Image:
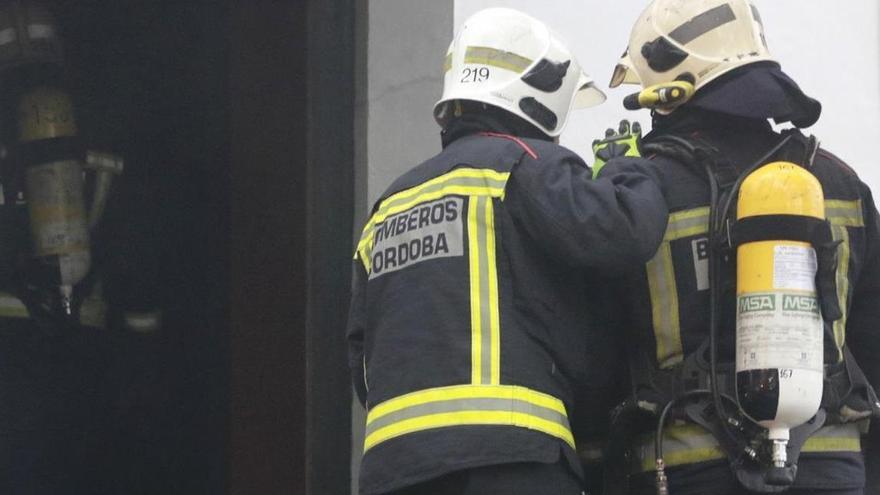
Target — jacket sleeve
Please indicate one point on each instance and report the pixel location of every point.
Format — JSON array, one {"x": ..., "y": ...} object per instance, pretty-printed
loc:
[
  {"x": 863, "y": 322},
  {"x": 612, "y": 223},
  {"x": 863, "y": 329},
  {"x": 355, "y": 332}
]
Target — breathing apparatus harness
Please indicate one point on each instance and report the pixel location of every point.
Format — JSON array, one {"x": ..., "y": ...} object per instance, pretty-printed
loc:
[{"x": 700, "y": 389}]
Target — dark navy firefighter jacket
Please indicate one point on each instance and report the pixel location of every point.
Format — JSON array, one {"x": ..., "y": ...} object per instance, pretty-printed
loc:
[{"x": 472, "y": 326}]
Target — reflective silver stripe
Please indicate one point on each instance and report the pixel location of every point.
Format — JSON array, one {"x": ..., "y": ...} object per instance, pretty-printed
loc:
[
  {"x": 467, "y": 405},
  {"x": 485, "y": 301},
  {"x": 703, "y": 23},
  {"x": 484, "y": 55},
  {"x": 663, "y": 289}
]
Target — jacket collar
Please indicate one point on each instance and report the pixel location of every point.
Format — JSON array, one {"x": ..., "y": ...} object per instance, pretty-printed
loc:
[{"x": 490, "y": 121}]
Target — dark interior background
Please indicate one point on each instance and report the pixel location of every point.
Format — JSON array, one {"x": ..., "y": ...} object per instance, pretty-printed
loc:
[{"x": 235, "y": 120}]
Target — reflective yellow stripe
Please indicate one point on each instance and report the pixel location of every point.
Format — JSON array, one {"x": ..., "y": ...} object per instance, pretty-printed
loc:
[
  {"x": 476, "y": 306},
  {"x": 663, "y": 289},
  {"x": 841, "y": 233},
  {"x": 480, "y": 181},
  {"x": 836, "y": 438},
  {"x": 685, "y": 444},
  {"x": 845, "y": 213},
  {"x": 664, "y": 307},
  {"x": 461, "y": 182},
  {"x": 687, "y": 223},
  {"x": 447, "y": 63},
  {"x": 496, "y": 58},
  {"x": 485, "y": 314},
  {"x": 467, "y": 405},
  {"x": 691, "y": 444}
]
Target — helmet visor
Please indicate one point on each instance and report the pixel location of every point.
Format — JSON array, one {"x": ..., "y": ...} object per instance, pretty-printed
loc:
[
  {"x": 623, "y": 73},
  {"x": 588, "y": 95}
]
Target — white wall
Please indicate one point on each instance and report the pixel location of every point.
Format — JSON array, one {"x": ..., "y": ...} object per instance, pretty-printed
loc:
[{"x": 831, "y": 48}]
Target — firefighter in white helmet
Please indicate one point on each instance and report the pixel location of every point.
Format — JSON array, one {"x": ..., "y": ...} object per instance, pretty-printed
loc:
[
  {"x": 468, "y": 333},
  {"x": 681, "y": 308}
]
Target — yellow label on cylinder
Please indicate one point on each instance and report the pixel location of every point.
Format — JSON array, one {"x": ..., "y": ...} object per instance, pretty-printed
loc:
[{"x": 45, "y": 113}]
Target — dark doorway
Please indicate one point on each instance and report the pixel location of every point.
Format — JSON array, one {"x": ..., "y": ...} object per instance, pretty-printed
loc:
[{"x": 235, "y": 120}]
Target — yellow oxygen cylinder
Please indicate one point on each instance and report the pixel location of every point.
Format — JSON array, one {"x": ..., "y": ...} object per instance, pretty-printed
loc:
[
  {"x": 779, "y": 327},
  {"x": 54, "y": 189}
]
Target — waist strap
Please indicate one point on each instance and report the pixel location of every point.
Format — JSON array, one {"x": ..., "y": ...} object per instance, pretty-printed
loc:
[
  {"x": 467, "y": 405},
  {"x": 690, "y": 444}
]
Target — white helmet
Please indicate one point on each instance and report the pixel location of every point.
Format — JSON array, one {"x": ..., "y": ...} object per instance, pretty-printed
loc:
[
  {"x": 510, "y": 60},
  {"x": 696, "y": 40}
]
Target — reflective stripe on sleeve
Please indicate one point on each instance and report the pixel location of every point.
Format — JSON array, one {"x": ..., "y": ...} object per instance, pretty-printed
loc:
[{"x": 445, "y": 407}]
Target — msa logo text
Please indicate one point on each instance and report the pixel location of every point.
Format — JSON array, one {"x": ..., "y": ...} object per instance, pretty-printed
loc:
[
  {"x": 806, "y": 304},
  {"x": 758, "y": 302}
]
